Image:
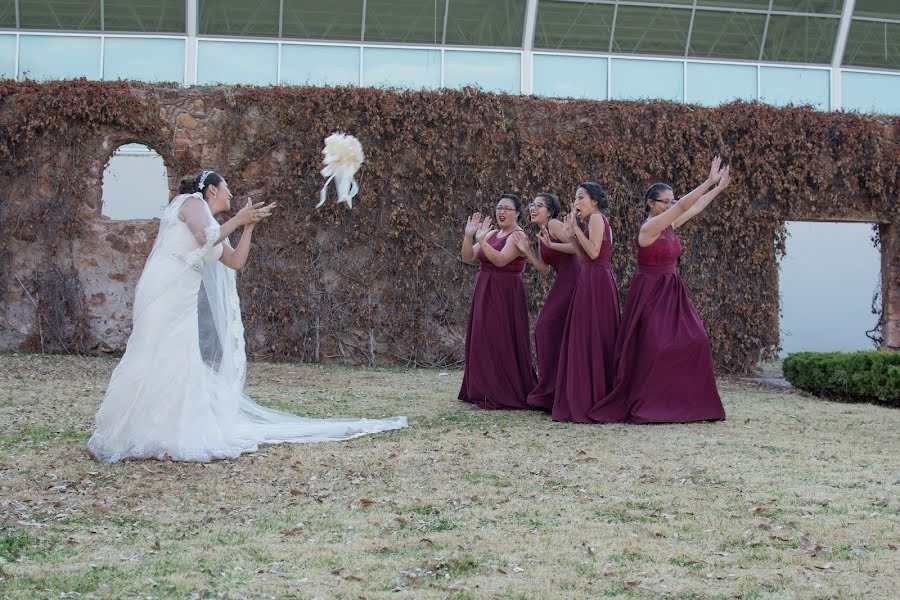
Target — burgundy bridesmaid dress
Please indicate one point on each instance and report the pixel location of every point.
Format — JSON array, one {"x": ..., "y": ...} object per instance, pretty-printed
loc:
[
  {"x": 587, "y": 354},
  {"x": 665, "y": 367},
  {"x": 498, "y": 372},
  {"x": 548, "y": 331}
]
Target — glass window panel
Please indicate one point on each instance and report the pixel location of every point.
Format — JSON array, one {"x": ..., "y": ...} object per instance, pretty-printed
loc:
[
  {"x": 646, "y": 80},
  {"x": 795, "y": 85},
  {"x": 319, "y": 65},
  {"x": 491, "y": 71},
  {"x": 871, "y": 92},
  {"x": 43, "y": 57},
  {"x": 7, "y": 57},
  {"x": 562, "y": 76},
  {"x": 822, "y": 7},
  {"x": 800, "y": 39},
  {"x": 239, "y": 17},
  {"x": 8, "y": 13},
  {"x": 573, "y": 26},
  {"x": 872, "y": 44},
  {"x": 643, "y": 30},
  {"x": 486, "y": 23},
  {"x": 757, "y": 4},
  {"x": 711, "y": 84},
  {"x": 60, "y": 14},
  {"x": 153, "y": 16},
  {"x": 410, "y": 21},
  {"x": 888, "y": 9},
  {"x": 402, "y": 68},
  {"x": 727, "y": 35},
  {"x": 681, "y": 2},
  {"x": 323, "y": 19},
  {"x": 237, "y": 62},
  {"x": 143, "y": 59}
]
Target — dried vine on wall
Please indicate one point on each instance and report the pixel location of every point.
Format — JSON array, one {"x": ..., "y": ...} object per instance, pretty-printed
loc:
[{"x": 383, "y": 283}]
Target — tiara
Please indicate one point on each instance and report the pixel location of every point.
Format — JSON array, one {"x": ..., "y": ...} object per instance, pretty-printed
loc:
[{"x": 203, "y": 177}]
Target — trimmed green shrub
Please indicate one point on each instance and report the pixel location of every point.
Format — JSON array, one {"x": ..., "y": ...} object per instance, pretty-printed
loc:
[{"x": 871, "y": 376}]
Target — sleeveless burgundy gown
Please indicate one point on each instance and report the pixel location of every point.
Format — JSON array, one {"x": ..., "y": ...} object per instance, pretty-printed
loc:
[
  {"x": 665, "y": 367},
  {"x": 587, "y": 354},
  {"x": 548, "y": 330},
  {"x": 498, "y": 371}
]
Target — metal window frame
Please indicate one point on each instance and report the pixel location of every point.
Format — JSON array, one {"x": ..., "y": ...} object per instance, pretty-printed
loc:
[
  {"x": 526, "y": 51},
  {"x": 192, "y": 15}
]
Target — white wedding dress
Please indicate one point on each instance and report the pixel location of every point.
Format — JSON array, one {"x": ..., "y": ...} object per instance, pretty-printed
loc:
[{"x": 178, "y": 391}]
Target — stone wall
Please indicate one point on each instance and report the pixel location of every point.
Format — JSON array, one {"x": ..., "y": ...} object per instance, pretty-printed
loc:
[{"x": 253, "y": 136}]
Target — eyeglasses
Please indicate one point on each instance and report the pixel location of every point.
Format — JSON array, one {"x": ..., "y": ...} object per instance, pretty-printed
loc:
[
  {"x": 506, "y": 209},
  {"x": 537, "y": 205}
]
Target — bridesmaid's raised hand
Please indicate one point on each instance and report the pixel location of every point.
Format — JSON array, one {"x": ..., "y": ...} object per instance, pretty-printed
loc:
[
  {"x": 724, "y": 178},
  {"x": 544, "y": 237},
  {"x": 473, "y": 224},
  {"x": 520, "y": 239},
  {"x": 715, "y": 170},
  {"x": 569, "y": 225},
  {"x": 483, "y": 229}
]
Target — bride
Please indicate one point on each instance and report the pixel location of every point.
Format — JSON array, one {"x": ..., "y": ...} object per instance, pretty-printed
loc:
[{"x": 178, "y": 390}]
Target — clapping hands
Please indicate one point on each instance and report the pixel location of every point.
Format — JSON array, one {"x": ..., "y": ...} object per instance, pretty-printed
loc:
[
  {"x": 544, "y": 237},
  {"x": 520, "y": 239},
  {"x": 724, "y": 178},
  {"x": 479, "y": 226},
  {"x": 570, "y": 225}
]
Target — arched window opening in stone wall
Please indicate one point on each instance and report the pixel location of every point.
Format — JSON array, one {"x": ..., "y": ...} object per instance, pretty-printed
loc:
[{"x": 135, "y": 184}]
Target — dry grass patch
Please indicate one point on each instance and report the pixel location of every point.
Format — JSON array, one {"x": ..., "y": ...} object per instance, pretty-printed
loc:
[{"x": 790, "y": 497}]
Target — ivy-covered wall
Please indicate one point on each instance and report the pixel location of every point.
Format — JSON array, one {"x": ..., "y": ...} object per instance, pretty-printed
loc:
[{"x": 383, "y": 283}]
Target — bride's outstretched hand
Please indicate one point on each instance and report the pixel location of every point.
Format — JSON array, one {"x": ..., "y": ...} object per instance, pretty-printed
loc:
[{"x": 252, "y": 213}]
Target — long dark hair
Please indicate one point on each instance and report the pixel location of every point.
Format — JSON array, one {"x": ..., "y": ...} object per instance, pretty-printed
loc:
[
  {"x": 596, "y": 193},
  {"x": 187, "y": 185}
]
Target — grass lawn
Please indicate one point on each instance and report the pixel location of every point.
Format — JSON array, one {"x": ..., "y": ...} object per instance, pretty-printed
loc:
[{"x": 791, "y": 497}]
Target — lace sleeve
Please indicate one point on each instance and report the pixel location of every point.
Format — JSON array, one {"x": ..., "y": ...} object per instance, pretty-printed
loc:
[{"x": 194, "y": 258}]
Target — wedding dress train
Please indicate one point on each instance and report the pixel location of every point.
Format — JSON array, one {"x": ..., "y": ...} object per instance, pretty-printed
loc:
[{"x": 178, "y": 391}]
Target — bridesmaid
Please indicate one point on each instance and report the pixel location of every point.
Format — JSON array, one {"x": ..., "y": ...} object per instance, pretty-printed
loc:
[
  {"x": 665, "y": 367},
  {"x": 548, "y": 330},
  {"x": 498, "y": 372},
  {"x": 587, "y": 359}
]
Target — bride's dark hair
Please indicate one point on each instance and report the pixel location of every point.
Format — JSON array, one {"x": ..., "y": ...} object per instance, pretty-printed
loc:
[
  {"x": 187, "y": 185},
  {"x": 205, "y": 179}
]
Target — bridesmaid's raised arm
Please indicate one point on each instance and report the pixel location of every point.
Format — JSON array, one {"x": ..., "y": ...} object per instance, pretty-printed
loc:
[
  {"x": 654, "y": 226},
  {"x": 705, "y": 199}
]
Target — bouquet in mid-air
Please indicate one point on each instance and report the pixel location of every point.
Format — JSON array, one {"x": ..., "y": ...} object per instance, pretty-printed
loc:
[{"x": 343, "y": 157}]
